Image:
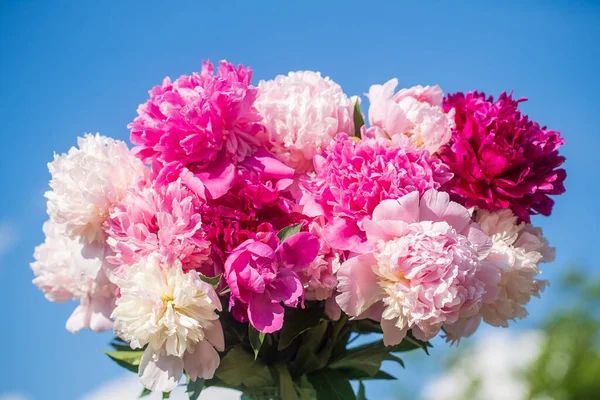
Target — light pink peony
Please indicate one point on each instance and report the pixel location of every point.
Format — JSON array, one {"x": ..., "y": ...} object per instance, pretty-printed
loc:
[
  {"x": 87, "y": 181},
  {"x": 66, "y": 269},
  {"x": 517, "y": 251},
  {"x": 425, "y": 269},
  {"x": 415, "y": 113},
  {"x": 352, "y": 178},
  {"x": 204, "y": 122},
  {"x": 166, "y": 221},
  {"x": 302, "y": 113},
  {"x": 263, "y": 275}
]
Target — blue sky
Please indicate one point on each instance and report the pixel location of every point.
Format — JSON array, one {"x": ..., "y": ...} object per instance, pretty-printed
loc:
[{"x": 74, "y": 67}]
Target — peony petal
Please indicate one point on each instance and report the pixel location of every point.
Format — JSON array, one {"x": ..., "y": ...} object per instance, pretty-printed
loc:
[
  {"x": 160, "y": 373},
  {"x": 299, "y": 250},
  {"x": 265, "y": 316},
  {"x": 436, "y": 206},
  {"x": 203, "y": 362},
  {"x": 357, "y": 285},
  {"x": 345, "y": 234},
  {"x": 392, "y": 335},
  {"x": 79, "y": 319},
  {"x": 218, "y": 177},
  {"x": 215, "y": 335}
]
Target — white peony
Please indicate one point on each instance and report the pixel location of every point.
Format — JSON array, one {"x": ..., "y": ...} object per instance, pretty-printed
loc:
[
  {"x": 517, "y": 251},
  {"x": 87, "y": 181},
  {"x": 302, "y": 113},
  {"x": 66, "y": 269},
  {"x": 174, "y": 313}
]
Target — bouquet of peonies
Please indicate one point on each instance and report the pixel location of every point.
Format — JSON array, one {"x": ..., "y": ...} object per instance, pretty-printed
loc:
[{"x": 252, "y": 233}]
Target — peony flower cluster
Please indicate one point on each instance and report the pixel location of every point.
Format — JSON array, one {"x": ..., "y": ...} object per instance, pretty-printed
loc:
[{"x": 242, "y": 207}]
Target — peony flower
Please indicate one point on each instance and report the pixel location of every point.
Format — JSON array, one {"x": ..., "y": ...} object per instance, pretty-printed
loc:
[
  {"x": 204, "y": 122},
  {"x": 517, "y": 250},
  {"x": 319, "y": 278},
  {"x": 166, "y": 221},
  {"x": 174, "y": 314},
  {"x": 302, "y": 113},
  {"x": 501, "y": 159},
  {"x": 415, "y": 113},
  {"x": 263, "y": 275},
  {"x": 425, "y": 269},
  {"x": 352, "y": 178},
  {"x": 87, "y": 181},
  {"x": 66, "y": 269}
]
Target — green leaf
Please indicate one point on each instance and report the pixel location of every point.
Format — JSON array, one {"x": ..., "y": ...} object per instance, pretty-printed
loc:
[
  {"x": 212, "y": 281},
  {"x": 194, "y": 388},
  {"x": 315, "y": 349},
  {"x": 126, "y": 359},
  {"x": 361, "y": 392},
  {"x": 359, "y": 120},
  {"x": 359, "y": 375},
  {"x": 225, "y": 291},
  {"x": 297, "y": 322},
  {"x": 331, "y": 385},
  {"x": 256, "y": 339},
  {"x": 287, "y": 389},
  {"x": 364, "y": 326},
  {"x": 261, "y": 378},
  {"x": 144, "y": 393},
  {"x": 289, "y": 231},
  {"x": 238, "y": 367},
  {"x": 166, "y": 395},
  {"x": 363, "y": 359},
  {"x": 391, "y": 357}
]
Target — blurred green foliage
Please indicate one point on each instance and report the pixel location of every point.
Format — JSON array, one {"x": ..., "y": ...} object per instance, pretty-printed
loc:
[{"x": 568, "y": 367}]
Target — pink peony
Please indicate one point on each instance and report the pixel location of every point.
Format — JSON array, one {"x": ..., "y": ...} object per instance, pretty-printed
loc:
[
  {"x": 415, "y": 113},
  {"x": 425, "y": 269},
  {"x": 263, "y": 275},
  {"x": 352, "y": 178},
  {"x": 166, "y": 221},
  {"x": 67, "y": 269},
  {"x": 205, "y": 122},
  {"x": 302, "y": 113},
  {"x": 501, "y": 159}
]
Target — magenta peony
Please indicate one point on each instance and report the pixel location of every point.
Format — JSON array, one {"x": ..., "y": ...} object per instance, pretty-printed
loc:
[
  {"x": 425, "y": 269},
  {"x": 263, "y": 275},
  {"x": 166, "y": 221},
  {"x": 205, "y": 122},
  {"x": 500, "y": 158},
  {"x": 302, "y": 113},
  {"x": 352, "y": 178}
]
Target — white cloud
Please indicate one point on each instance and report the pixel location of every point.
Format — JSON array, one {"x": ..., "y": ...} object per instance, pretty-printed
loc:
[
  {"x": 14, "y": 396},
  {"x": 9, "y": 236},
  {"x": 493, "y": 363},
  {"x": 127, "y": 387}
]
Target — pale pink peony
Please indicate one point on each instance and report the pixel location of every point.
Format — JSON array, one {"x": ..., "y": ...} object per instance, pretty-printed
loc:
[
  {"x": 204, "y": 122},
  {"x": 66, "y": 269},
  {"x": 166, "y": 221},
  {"x": 302, "y": 113},
  {"x": 173, "y": 315},
  {"x": 87, "y": 181},
  {"x": 415, "y": 113},
  {"x": 425, "y": 269},
  {"x": 517, "y": 251},
  {"x": 352, "y": 178},
  {"x": 261, "y": 276}
]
